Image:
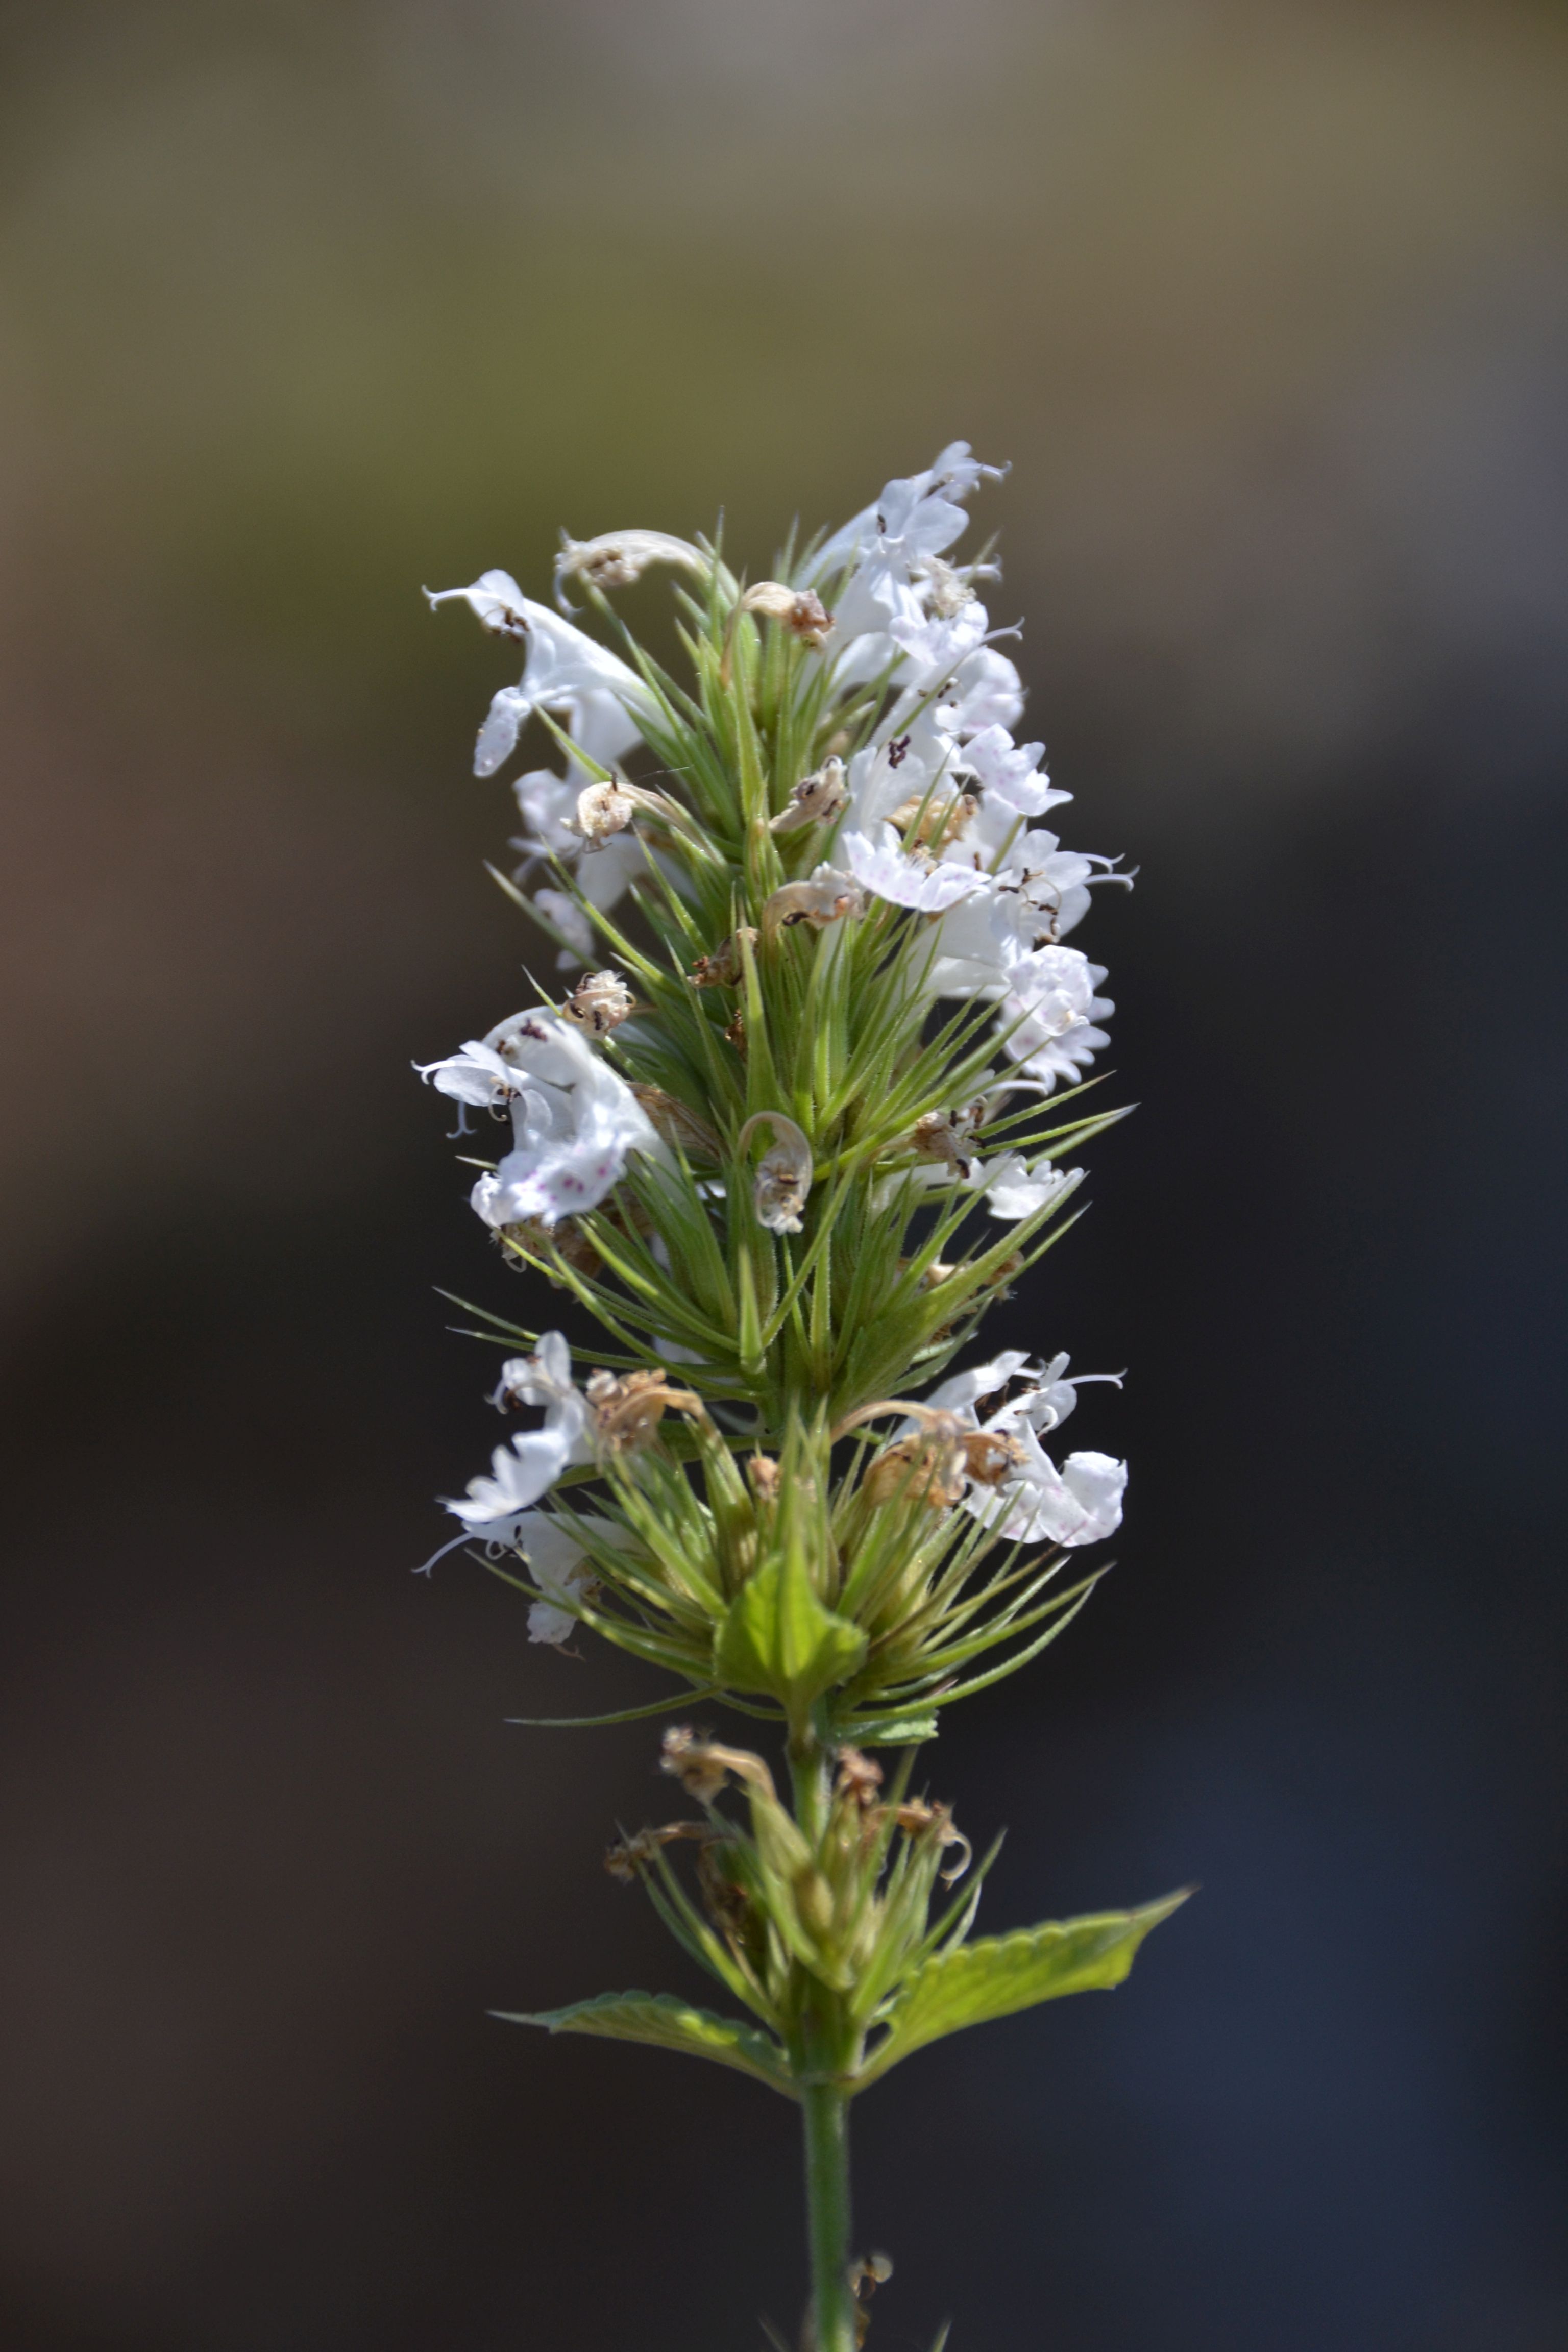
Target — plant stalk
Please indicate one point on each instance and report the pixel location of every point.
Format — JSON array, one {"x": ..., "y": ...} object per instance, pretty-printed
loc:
[{"x": 826, "y": 2109}]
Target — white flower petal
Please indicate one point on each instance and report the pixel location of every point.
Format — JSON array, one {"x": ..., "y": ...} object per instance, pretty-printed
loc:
[
  {"x": 887, "y": 872},
  {"x": 1013, "y": 1189}
]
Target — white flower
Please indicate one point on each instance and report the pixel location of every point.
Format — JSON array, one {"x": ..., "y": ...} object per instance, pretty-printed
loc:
[
  {"x": 557, "y": 1566},
  {"x": 545, "y": 1378},
  {"x": 1009, "y": 772},
  {"x": 1035, "y": 1502},
  {"x": 563, "y": 913},
  {"x": 565, "y": 670},
  {"x": 987, "y": 692},
  {"x": 476, "y": 1074},
  {"x": 889, "y": 542},
  {"x": 888, "y": 870},
  {"x": 1050, "y": 1009},
  {"x": 495, "y": 600},
  {"x": 495, "y": 1509},
  {"x": 1079, "y": 1504},
  {"x": 574, "y": 1123},
  {"x": 961, "y": 1391},
  {"x": 1013, "y": 1189},
  {"x": 1050, "y": 884},
  {"x": 954, "y": 475},
  {"x": 909, "y": 757},
  {"x": 492, "y": 1508},
  {"x": 933, "y": 648},
  {"x": 1046, "y": 1403}
]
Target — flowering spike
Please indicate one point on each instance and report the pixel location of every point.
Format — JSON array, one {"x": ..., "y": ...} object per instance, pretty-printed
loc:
[{"x": 774, "y": 1175}]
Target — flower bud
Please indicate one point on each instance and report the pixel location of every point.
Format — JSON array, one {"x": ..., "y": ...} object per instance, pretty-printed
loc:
[
  {"x": 764, "y": 1472},
  {"x": 813, "y": 1902}
]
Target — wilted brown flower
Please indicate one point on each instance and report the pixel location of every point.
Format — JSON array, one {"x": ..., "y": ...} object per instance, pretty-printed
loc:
[
  {"x": 600, "y": 1003},
  {"x": 628, "y": 1408},
  {"x": 801, "y": 610},
  {"x": 784, "y": 1172},
  {"x": 826, "y": 897},
  {"x": 815, "y": 798},
  {"x": 723, "y": 967},
  {"x": 858, "y": 1777},
  {"x": 677, "y": 1124},
  {"x": 602, "y": 809},
  {"x": 702, "y": 1766}
]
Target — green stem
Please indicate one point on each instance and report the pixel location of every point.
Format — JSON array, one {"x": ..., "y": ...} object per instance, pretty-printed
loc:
[
  {"x": 821, "y": 2053},
  {"x": 826, "y": 2113}
]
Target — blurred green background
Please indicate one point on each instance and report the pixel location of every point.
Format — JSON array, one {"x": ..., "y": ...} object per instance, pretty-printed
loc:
[{"x": 303, "y": 305}]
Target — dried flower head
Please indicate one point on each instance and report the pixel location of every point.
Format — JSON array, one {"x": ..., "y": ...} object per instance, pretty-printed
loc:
[
  {"x": 991, "y": 1455},
  {"x": 600, "y": 1003},
  {"x": 816, "y": 798},
  {"x": 618, "y": 559},
  {"x": 859, "y": 1777},
  {"x": 917, "y": 1819},
  {"x": 828, "y": 897},
  {"x": 930, "y": 820},
  {"x": 782, "y": 1177},
  {"x": 628, "y": 1857},
  {"x": 531, "y": 1243},
  {"x": 725, "y": 968},
  {"x": 926, "y": 1468},
  {"x": 626, "y": 1409},
  {"x": 801, "y": 610},
  {"x": 703, "y": 1767},
  {"x": 678, "y": 1124},
  {"x": 603, "y": 810}
]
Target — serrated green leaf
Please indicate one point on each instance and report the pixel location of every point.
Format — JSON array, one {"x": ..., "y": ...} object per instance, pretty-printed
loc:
[
  {"x": 776, "y": 1637},
  {"x": 1000, "y": 1974},
  {"x": 665, "y": 2023}
]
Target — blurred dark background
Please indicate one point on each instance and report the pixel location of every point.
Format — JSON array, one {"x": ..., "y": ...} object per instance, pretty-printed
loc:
[{"x": 302, "y": 304}]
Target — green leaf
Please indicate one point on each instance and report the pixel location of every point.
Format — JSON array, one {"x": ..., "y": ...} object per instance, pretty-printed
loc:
[
  {"x": 976, "y": 1982},
  {"x": 776, "y": 1637},
  {"x": 666, "y": 2023},
  {"x": 890, "y": 1730}
]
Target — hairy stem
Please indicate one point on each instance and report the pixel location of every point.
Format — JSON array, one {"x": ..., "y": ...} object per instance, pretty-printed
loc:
[
  {"x": 821, "y": 2054},
  {"x": 826, "y": 2112}
]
